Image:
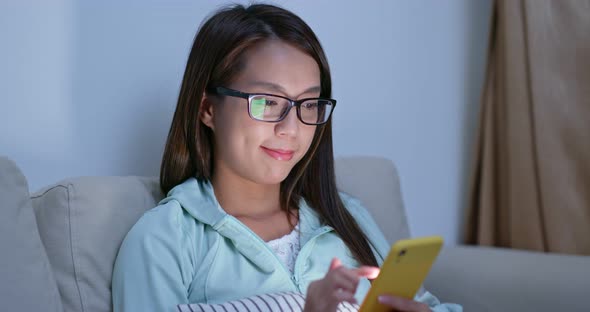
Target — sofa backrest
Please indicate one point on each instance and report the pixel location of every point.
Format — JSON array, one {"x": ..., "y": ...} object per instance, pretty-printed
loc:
[
  {"x": 375, "y": 181},
  {"x": 82, "y": 222}
]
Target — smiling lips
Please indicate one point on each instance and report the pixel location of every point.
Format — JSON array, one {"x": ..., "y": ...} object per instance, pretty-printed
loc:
[{"x": 278, "y": 154}]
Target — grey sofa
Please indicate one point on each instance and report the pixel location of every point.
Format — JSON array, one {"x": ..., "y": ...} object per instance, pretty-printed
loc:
[{"x": 58, "y": 245}]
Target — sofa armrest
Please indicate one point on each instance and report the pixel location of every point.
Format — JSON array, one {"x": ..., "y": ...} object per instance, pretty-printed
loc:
[{"x": 498, "y": 279}]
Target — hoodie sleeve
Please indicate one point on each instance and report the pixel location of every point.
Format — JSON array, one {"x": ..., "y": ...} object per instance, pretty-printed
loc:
[
  {"x": 152, "y": 270},
  {"x": 381, "y": 249},
  {"x": 434, "y": 304}
]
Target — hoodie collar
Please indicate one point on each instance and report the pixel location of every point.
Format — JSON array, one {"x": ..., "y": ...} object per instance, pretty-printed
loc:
[{"x": 198, "y": 199}]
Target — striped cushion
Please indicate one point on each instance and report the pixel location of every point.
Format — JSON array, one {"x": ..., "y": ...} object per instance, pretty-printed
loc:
[{"x": 284, "y": 301}]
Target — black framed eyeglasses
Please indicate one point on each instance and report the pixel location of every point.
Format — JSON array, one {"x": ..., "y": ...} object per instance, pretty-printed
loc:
[{"x": 274, "y": 108}]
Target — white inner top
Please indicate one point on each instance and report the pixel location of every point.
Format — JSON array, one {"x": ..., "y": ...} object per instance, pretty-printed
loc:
[{"x": 286, "y": 248}]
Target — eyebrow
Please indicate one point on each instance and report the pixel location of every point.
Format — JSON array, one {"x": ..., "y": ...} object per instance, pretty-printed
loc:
[{"x": 278, "y": 88}]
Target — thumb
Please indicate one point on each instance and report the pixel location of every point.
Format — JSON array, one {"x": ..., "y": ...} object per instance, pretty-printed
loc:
[{"x": 335, "y": 264}]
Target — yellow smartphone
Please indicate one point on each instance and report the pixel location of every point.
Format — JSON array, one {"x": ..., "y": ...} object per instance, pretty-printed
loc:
[{"x": 403, "y": 271}]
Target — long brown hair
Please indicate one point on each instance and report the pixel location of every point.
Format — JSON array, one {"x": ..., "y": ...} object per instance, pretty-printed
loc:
[{"x": 214, "y": 60}]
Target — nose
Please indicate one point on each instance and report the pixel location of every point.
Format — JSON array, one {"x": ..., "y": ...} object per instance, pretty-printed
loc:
[{"x": 289, "y": 126}]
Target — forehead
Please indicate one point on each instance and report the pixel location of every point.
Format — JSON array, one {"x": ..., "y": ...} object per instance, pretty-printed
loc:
[{"x": 279, "y": 63}]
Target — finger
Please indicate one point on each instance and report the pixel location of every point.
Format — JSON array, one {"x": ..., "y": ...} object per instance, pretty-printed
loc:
[
  {"x": 343, "y": 278},
  {"x": 350, "y": 278},
  {"x": 403, "y": 304},
  {"x": 367, "y": 271},
  {"x": 344, "y": 295},
  {"x": 335, "y": 264},
  {"x": 350, "y": 274}
]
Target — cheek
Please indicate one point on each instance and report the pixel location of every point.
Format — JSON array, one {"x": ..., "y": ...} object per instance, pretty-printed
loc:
[
  {"x": 236, "y": 133},
  {"x": 228, "y": 126},
  {"x": 307, "y": 135}
]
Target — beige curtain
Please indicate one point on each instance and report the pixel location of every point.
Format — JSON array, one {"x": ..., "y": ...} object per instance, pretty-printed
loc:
[{"x": 531, "y": 178}]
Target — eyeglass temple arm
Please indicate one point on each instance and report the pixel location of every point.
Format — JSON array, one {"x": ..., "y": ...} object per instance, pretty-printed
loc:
[{"x": 230, "y": 92}]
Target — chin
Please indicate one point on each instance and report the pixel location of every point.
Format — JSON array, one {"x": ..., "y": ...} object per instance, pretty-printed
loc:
[
  {"x": 274, "y": 179},
  {"x": 275, "y": 176}
]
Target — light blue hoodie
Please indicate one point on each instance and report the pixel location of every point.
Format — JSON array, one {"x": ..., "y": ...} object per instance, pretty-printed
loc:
[{"x": 189, "y": 250}]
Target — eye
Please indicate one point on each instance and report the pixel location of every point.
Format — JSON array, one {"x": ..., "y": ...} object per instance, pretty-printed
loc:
[
  {"x": 271, "y": 102},
  {"x": 310, "y": 105}
]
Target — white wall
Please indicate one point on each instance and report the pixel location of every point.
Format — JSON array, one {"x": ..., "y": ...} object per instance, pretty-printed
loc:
[
  {"x": 89, "y": 88},
  {"x": 36, "y": 115}
]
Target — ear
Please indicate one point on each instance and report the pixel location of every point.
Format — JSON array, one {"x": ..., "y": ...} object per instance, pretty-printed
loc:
[{"x": 207, "y": 111}]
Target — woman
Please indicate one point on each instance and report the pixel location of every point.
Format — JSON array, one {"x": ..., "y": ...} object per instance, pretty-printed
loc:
[{"x": 252, "y": 205}]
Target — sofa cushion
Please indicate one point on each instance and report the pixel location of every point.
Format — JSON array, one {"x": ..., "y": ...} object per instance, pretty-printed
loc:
[
  {"x": 27, "y": 283},
  {"x": 82, "y": 222}
]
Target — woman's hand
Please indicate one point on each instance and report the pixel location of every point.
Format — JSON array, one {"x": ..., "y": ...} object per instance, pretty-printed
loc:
[
  {"x": 402, "y": 304},
  {"x": 338, "y": 285}
]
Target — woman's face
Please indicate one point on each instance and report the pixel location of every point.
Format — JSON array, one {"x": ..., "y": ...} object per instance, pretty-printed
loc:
[{"x": 264, "y": 152}]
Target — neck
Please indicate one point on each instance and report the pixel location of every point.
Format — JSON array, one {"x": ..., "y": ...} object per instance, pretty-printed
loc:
[{"x": 243, "y": 198}]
